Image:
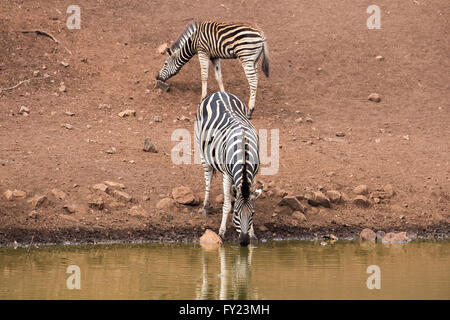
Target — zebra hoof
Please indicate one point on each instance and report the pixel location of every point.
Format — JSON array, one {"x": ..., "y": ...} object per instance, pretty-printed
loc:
[{"x": 249, "y": 114}]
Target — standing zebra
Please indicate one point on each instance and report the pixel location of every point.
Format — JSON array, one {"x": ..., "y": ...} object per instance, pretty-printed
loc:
[
  {"x": 214, "y": 41},
  {"x": 229, "y": 144}
]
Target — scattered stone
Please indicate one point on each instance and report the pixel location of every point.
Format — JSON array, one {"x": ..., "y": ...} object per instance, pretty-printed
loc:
[
  {"x": 37, "y": 201},
  {"x": 8, "y": 195},
  {"x": 162, "y": 48},
  {"x": 293, "y": 203},
  {"x": 283, "y": 210},
  {"x": 96, "y": 202},
  {"x": 299, "y": 216},
  {"x": 101, "y": 187},
  {"x": 166, "y": 204},
  {"x": 149, "y": 146},
  {"x": 263, "y": 228},
  {"x": 70, "y": 207},
  {"x": 317, "y": 198},
  {"x": 361, "y": 201},
  {"x": 113, "y": 150},
  {"x": 375, "y": 97},
  {"x": 24, "y": 110},
  {"x": 19, "y": 194},
  {"x": 113, "y": 184},
  {"x": 389, "y": 189},
  {"x": 361, "y": 189},
  {"x": 184, "y": 195},
  {"x": 62, "y": 88},
  {"x": 210, "y": 237},
  {"x": 32, "y": 214},
  {"x": 138, "y": 211},
  {"x": 60, "y": 195},
  {"x": 279, "y": 192},
  {"x": 334, "y": 196},
  {"x": 127, "y": 113},
  {"x": 64, "y": 64},
  {"x": 36, "y": 73},
  {"x": 380, "y": 235},
  {"x": 162, "y": 85},
  {"x": 367, "y": 234},
  {"x": 392, "y": 237},
  {"x": 299, "y": 120},
  {"x": 340, "y": 134},
  {"x": 331, "y": 237},
  {"x": 157, "y": 118},
  {"x": 121, "y": 196},
  {"x": 379, "y": 58},
  {"x": 68, "y": 113},
  {"x": 67, "y": 126}
]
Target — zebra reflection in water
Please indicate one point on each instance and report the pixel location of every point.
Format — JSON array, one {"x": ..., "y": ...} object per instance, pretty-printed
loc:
[{"x": 226, "y": 278}]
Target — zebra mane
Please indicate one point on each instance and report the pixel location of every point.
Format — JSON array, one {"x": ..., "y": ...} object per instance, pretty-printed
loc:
[
  {"x": 187, "y": 33},
  {"x": 245, "y": 185}
]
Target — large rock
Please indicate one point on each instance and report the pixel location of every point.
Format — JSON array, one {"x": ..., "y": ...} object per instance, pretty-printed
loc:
[
  {"x": 367, "y": 234},
  {"x": 96, "y": 202},
  {"x": 184, "y": 195},
  {"x": 361, "y": 201},
  {"x": 334, "y": 196},
  {"x": 392, "y": 237},
  {"x": 361, "y": 189},
  {"x": 138, "y": 211},
  {"x": 299, "y": 216},
  {"x": 380, "y": 235},
  {"x": 149, "y": 146},
  {"x": 317, "y": 198},
  {"x": 37, "y": 201},
  {"x": 210, "y": 237},
  {"x": 19, "y": 194},
  {"x": 58, "y": 194},
  {"x": 389, "y": 189},
  {"x": 166, "y": 204},
  {"x": 101, "y": 187},
  {"x": 293, "y": 203},
  {"x": 113, "y": 184},
  {"x": 121, "y": 196}
]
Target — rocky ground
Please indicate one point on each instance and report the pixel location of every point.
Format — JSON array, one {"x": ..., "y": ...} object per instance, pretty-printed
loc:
[{"x": 86, "y": 140}]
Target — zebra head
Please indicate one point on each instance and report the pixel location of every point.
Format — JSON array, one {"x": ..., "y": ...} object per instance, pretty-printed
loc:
[
  {"x": 243, "y": 213},
  {"x": 170, "y": 67}
]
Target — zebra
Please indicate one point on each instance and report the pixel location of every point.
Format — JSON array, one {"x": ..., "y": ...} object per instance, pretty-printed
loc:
[
  {"x": 228, "y": 143},
  {"x": 214, "y": 41}
]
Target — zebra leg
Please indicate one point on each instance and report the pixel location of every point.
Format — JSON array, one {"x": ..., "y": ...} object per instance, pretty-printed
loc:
[
  {"x": 208, "y": 176},
  {"x": 218, "y": 73},
  {"x": 250, "y": 70},
  {"x": 226, "y": 204},
  {"x": 204, "y": 65}
]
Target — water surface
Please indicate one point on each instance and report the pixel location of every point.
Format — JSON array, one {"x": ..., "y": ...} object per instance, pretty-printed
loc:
[{"x": 272, "y": 270}]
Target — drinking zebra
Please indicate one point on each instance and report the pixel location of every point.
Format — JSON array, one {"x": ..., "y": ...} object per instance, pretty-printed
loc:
[
  {"x": 214, "y": 41},
  {"x": 229, "y": 144}
]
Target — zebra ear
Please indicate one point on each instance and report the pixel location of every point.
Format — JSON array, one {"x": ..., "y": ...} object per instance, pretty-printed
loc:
[
  {"x": 255, "y": 195},
  {"x": 169, "y": 51}
]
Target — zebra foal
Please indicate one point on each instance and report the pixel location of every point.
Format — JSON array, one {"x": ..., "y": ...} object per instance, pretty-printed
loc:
[
  {"x": 229, "y": 144},
  {"x": 214, "y": 41}
]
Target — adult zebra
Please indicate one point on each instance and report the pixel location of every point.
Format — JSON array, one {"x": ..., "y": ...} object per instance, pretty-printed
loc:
[
  {"x": 214, "y": 41},
  {"x": 229, "y": 144}
]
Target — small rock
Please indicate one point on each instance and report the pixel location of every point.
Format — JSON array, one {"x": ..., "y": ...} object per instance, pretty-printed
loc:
[
  {"x": 166, "y": 204},
  {"x": 24, "y": 110},
  {"x": 162, "y": 85},
  {"x": 70, "y": 207},
  {"x": 157, "y": 118},
  {"x": 389, "y": 189},
  {"x": 96, "y": 202},
  {"x": 299, "y": 120},
  {"x": 8, "y": 195},
  {"x": 162, "y": 48},
  {"x": 299, "y": 216},
  {"x": 367, "y": 234},
  {"x": 67, "y": 126},
  {"x": 68, "y": 113},
  {"x": 64, "y": 64},
  {"x": 33, "y": 214},
  {"x": 279, "y": 192},
  {"x": 113, "y": 184},
  {"x": 361, "y": 201},
  {"x": 62, "y": 88},
  {"x": 184, "y": 195},
  {"x": 37, "y": 201},
  {"x": 60, "y": 195},
  {"x": 334, "y": 196},
  {"x": 293, "y": 203},
  {"x": 263, "y": 228},
  {"x": 340, "y": 134},
  {"x": 392, "y": 237},
  {"x": 19, "y": 194},
  {"x": 380, "y": 235},
  {"x": 127, "y": 113},
  {"x": 361, "y": 189},
  {"x": 318, "y": 198},
  {"x": 283, "y": 210},
  {"x": 121, "y": 196},
  {"x": 138, "y": 211},
  {"x": 36, "y": 73},
  {"x": 101, "y": 187},
  {"x": 331, "y": 237},
  {"x": 375, "y": 97},
  {"x": 149, "y": 146},
  {"x": 379, "y": 58},
  {"x": 308, "y": 119},
  {"x": 210, "y": 237},
  {"x": 219, "y": 198}
]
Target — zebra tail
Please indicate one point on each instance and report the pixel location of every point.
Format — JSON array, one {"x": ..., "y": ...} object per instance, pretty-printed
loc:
[{"x": 265, "y": 62}]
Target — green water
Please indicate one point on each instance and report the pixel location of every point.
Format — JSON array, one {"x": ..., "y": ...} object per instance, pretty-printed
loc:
[{"x": 272, "y": 270}]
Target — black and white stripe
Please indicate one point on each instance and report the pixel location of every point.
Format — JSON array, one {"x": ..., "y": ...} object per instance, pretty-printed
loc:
[
  {"x": 214, "y": 41},
  {"x": 229, "y": 144}
]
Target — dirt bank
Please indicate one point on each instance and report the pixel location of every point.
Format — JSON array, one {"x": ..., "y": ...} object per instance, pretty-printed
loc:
[{"x": 323, "y": 68}]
